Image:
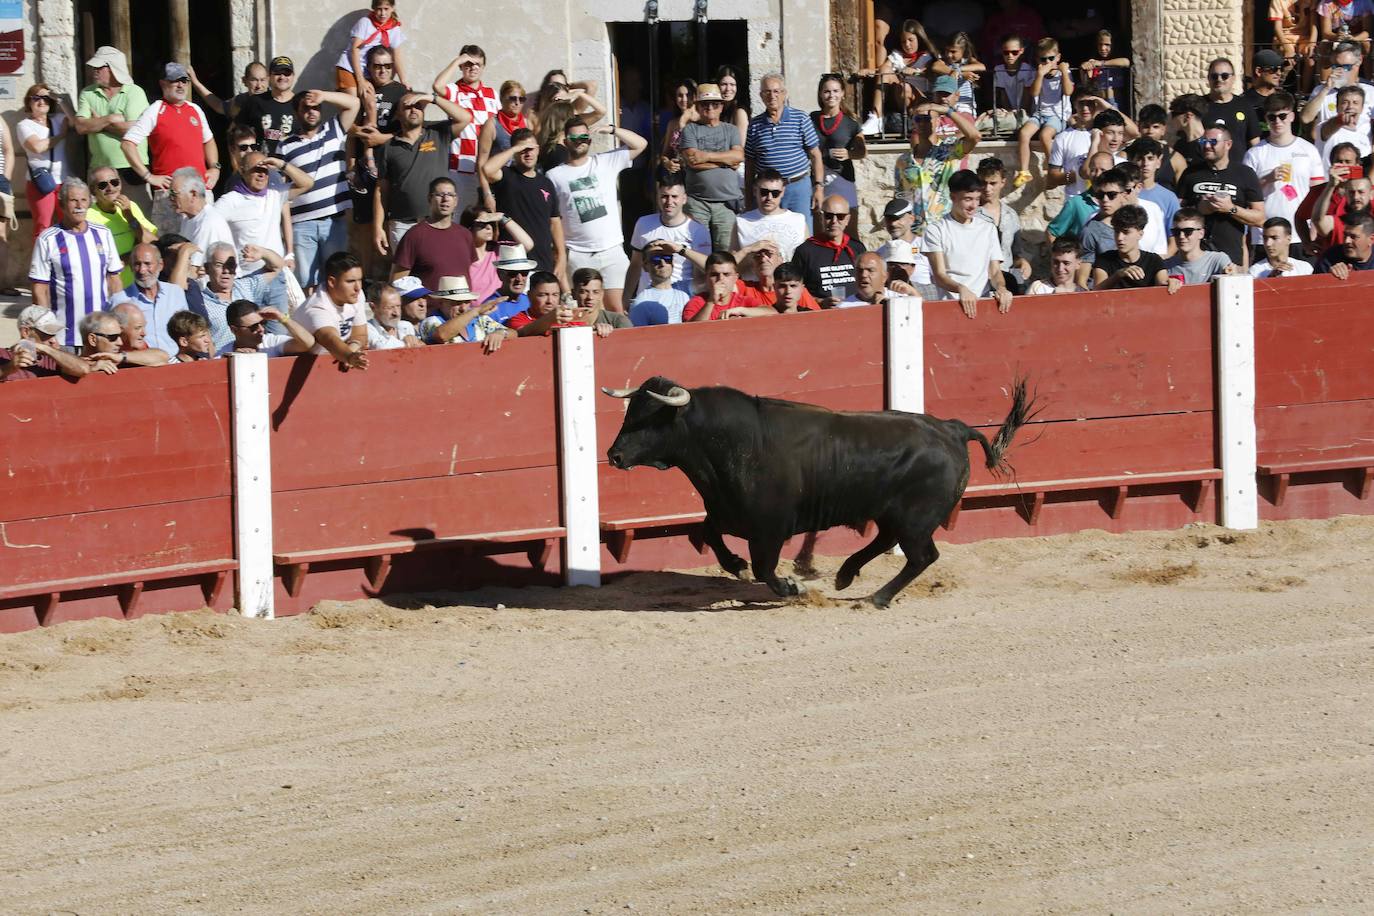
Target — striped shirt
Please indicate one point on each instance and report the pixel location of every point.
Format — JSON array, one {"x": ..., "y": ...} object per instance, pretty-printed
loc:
[
  {"x": 322, "y": 158},
  {"x": 75, "y": 265},
  {"x": 481, "y": 101},
  {"x": 782, "y": 146}
]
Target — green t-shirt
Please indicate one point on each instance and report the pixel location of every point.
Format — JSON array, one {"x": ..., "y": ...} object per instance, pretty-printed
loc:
[
  {"x": 129, "y": 102},
  {"x": 122, "y": 232}
]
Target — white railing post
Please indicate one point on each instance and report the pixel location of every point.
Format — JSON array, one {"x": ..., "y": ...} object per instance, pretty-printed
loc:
[
  {"x": 577, "y": 456},
  {"x": 1235, "y": 366},
  {"x": 905, "y": 354},
  {"x": 252, "y": 444}
]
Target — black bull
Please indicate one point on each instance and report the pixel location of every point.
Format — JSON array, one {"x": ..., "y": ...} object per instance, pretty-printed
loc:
[{"x": 768, "y": 469}]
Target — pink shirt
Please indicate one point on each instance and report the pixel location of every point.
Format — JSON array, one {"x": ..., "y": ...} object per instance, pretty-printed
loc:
[{"x": 482, "y": 276}]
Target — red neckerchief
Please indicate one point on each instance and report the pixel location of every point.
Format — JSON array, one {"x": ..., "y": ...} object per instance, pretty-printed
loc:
[
  {"x": 511, "y": 126},
  {"x": 839, "y": 247},
  {"x": 839, "y": 116},
  {"x": 382, "y": 29}
]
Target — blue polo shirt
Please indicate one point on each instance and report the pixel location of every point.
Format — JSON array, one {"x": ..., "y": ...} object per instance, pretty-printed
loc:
[
  {"x": 782, "y": 146},
  {"x": 170, "y": 300}
]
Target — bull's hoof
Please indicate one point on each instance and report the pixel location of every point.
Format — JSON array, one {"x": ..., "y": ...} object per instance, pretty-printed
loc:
[
  {"x": 843, "y": 579},
  {"x": 880, "y": 601},
  {"x": 736, "y": 566},
  {"x": 788, "y": 588}
]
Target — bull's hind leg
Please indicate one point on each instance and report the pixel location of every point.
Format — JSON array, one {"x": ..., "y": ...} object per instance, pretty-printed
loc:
[
  {"x": 920, "y": 553},
  {"x": 885, "y": 540},
  {"x": 764, "y": 557}
]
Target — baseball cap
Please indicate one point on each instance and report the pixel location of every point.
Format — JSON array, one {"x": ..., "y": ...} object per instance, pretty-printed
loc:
[
  {"x": 42, "y": 319},
  {"x": 107, "y": 56},
  {"x": 897, "y": 206},
  {"x": 410, "y": 288},
  {"x": 1268, "y": 58},
  {"x": 281, "y": 64},
  {"x": 946, "y": 84},
  {"x": 174, "y": 71}
]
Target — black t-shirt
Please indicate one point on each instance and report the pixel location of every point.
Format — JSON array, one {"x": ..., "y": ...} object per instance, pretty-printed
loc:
[
  {"x": 1239, "y": 117},
  {"x": 842, "y": 132},
  {"x": 825, "y": 271},
  {"x": 1191, "y": 153},
  {"x": 410, "y": 167},
  {"x": 1241, "y": 184},
  {"x": 1256, "y": 103},
  {"x": 531, "y": 202},
  {"x": 1148, "y": 261},
  {"x": 271, "y": 120},
  {"x": 1336, "y": 255},
  {"x": 388, "y": 102}
]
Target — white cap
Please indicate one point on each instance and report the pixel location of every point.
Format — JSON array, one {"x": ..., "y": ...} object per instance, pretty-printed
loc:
[
  {"x": 42, "y": 319},
  {"x": 897, "y": 251}
]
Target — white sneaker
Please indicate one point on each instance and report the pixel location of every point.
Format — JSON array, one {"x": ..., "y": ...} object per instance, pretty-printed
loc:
[{"x": 872, "y": 126}]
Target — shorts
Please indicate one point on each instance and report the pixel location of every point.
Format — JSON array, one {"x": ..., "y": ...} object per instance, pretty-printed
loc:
[
  {"x": 612, "y": 264},
  {"x": 345, "y": 80},
  {"x": 1053, "y": 122}
]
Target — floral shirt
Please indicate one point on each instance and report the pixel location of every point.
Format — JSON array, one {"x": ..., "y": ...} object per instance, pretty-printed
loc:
[{"x": 925, "y": 181}]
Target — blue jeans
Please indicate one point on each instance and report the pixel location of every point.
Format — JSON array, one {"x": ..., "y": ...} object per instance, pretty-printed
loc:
[
  {"x": 796, "y": 196},
  {"x": 315, "y": 241}
]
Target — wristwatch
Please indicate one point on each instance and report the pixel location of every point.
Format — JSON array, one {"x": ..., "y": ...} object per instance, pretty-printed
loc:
[{"x": 1234, "y": 209}]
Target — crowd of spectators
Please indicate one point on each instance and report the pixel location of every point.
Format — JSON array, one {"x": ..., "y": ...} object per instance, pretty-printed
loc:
[{"x": 376, "y": 213}]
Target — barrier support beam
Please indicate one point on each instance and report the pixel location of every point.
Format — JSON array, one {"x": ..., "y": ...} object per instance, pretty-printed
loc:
[
  {"x": 1235, "y": 310},
  {"x": 252, "y": 437},
  {"x": 905, "y": 354},
  {"x": 577, "y": 456}
]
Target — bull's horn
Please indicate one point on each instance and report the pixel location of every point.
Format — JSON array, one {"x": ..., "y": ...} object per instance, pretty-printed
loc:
[
  {"x": 620, "y": 392},
  {"x": 677, "y": 396}
]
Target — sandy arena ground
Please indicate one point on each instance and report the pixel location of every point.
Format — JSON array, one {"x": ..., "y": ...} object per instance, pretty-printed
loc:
[{"x": 1147, "y": 723}]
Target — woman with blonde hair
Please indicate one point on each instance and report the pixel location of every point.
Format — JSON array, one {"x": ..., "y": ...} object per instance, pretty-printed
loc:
[{"x": 495, "y": 133}]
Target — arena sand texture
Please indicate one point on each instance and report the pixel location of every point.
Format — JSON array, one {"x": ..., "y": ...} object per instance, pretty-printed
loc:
[{"x": 1092, "y": 723}]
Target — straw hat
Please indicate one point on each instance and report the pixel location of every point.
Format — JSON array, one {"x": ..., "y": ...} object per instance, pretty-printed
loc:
[{"x": 455, "y": 288}]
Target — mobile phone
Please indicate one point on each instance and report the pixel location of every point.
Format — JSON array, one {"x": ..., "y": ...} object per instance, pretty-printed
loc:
[{"x": 1356, "y": 171}]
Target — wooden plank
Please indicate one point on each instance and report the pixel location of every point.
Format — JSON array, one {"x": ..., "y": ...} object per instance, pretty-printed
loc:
[
  {"x": 252, "y": 460},
  {"x": 1095, "y": 483},
  {"x": 118, "y": 542},
  {"x": 629, "y": 524},
  {"x": 1110, "y": 354},
  {"x": 577, "y": 456},
  {"x": 112, "y": 442},
  {"x": 1311, "y": 339},
  {"x": 1302, "y": 432},
  {"x": 1292, "y": 466},
  {"x": 137, "y": 577},
  {"x": 415, "y": 413},
  {"x": 391, "y": 548},
  {"x": 467, "y": 504}
]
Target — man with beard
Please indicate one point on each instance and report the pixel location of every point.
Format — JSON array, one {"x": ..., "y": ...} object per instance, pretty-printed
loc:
[
  {"x": 1355, "y": 253},
  {"x": 388, "y": 330},
  {"x": 1227, "y": 194},
  {"x": 827, "y": 259},
  {"x": 437, "y": 246},
  {"x": 159, "y": 301}
]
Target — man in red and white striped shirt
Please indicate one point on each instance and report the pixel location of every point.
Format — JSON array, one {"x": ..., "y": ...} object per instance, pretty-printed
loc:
[
  {"x": 177, "y": 136},
  {"x": 479, "y": 99}
]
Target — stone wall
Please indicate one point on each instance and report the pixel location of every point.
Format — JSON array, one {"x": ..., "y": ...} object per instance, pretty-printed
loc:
[{"x": 1193, "y": 33}]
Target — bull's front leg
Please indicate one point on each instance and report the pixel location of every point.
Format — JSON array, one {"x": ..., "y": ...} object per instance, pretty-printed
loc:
[
  {"x": 763, "y": 554},
  {"x": 729, "y": 561}
]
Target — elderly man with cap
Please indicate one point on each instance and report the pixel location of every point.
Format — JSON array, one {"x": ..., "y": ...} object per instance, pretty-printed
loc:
[
  {"x": 272, "y": 114},
  {"x": 710, "y": 150},
  {"x": 514, "y": 267},
  {"x": 768, "y": 223},
  {"x": 387, "y": 330},
  {"x": 105, "y": 110},
  {"x": 899, "y": 218},
  {"x": 39, "y": 354},
  {"x": 177, "y": 136},
  {"x": 460, "y": 319}
]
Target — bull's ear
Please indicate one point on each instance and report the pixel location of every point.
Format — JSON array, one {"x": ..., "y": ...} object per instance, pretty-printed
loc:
[{"x": 619, "y": 392}]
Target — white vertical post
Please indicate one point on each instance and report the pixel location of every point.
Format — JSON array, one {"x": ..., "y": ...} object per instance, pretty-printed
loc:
[
  {"x": 577, "y": 456},
  {"x": 252, "y": 438},
  {"x": 1235, "y": 366},
  {"x": 906, "y": 355}
]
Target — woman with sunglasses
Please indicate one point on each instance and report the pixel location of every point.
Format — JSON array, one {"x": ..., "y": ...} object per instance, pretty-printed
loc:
[
  {"x": 494, "y": 136},
  {"x": 43, "y": 135},
  {"x": 487, "y": 227}
]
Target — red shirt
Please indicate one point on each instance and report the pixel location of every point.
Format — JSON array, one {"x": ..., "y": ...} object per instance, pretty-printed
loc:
[
  {"x": 44, "y": 368},
  {"x": 516, "y": 322},
  {"x": 177, "y": 138},
  {"x": 769, "y": 297},
  {"x": 743, "y": 297},
  {"x": 481, "y": 100}
]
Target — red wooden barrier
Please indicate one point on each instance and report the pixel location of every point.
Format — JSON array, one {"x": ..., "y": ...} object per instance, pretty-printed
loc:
[
  {"x": 1314, "y": 406},
  {"x": 117, "y": 493}
]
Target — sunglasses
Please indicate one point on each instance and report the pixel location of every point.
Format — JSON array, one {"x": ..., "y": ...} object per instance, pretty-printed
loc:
[
  {"x": 107, "y": 184},
  {"x": 1109, "y": 195},
  {"x": 1218, "y": 77},
  {"x": 1049, "y": 60},
  {"x": 255, "y": 328},
  {"x": 515, "y": 98},
  {"x": 1333, "y": 67},
  {"x": 45, "y": 99},
  {"x": 1208, "y": 141},
  {"x": 383, "y": 66},
  {"x": 184, "y": 79},
  {"x": 770, "y": 192},
  {"x": 579, "y": 138},
  {"x": 660, "y": 258},
  {"x": 1270, "y": 69},
  {"x": 227, "y": 264},
  {"x": 834, "y": 216},
  {"x": 1278, "y": 116},
  {"x": 246, "y": 147},
  {"x": 110, "y": 337},
  {"x": 1186, "y": 231},
  {"x": 1012, "y": 50}
]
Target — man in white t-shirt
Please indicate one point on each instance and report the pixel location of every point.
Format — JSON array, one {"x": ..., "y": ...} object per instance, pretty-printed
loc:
[
  {"x": 676, "y": 233},
  {"x": 1073, "y": 147},
  {"x": 589, "y": 204},
  {"x": 1287, "y": 165},
  {"x": 198, "y": 220},
  {"x": 1350, "y": 125},
  {"x": 336, "y": 314},
  {"x": 769, "y": 221},
  {"x": 256, "y": 213},
  {"x": 249, "y": 325},
  {"x": 964, "y": 248},
  {"x": 1345, "y": 71}
]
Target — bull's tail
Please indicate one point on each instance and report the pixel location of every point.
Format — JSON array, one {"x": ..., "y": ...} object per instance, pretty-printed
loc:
[{"x": 1023, "y": 409}]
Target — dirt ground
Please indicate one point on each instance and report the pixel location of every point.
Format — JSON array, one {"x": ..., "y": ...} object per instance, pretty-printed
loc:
[{"x": 1093, "y": 723}]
